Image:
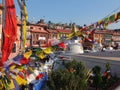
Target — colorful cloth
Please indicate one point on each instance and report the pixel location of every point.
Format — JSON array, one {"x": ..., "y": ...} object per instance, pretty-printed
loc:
[{"x": 9, "y": 29}]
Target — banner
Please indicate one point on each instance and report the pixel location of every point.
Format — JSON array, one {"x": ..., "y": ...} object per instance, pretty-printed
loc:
[{"x": 9, "y": 29}]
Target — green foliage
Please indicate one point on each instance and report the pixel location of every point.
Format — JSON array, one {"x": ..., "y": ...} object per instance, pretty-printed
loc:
[
  {"x": 102, "y": 82},
  {"x": 71, "y": 64},
  {"x": 75, "y": 77},
  {"x": 96, "y": 70},
  {"x": 97, "y": 79},
  {"x": 107, "y": 65},
  {"x": 65, "y": 79}
]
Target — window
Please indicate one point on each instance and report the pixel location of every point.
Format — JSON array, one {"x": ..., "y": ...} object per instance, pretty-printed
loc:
[
  {"x": 44, "y": 42},
  {"x": 41, "y": 35},
  {"x": 37, "y": 36},
  {"x": 31, "y": 27}
]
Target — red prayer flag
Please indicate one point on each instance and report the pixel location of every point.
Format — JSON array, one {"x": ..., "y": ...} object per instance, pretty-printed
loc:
[
  {"x": 24, "y": 61},
  {"x": 62, "y": 45},
  {"x": 9, "y": 29},
  {"x": 92, "y": 32}
]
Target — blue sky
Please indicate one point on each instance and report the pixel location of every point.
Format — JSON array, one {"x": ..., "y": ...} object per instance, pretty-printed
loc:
[{"x": 65, "y": 11}]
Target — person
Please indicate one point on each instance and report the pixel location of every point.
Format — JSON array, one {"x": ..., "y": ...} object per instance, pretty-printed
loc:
[
  {"x": 116, "y": 46},
  {"x": 110, "y": 47},
  {"x": 103, "y": 49}
]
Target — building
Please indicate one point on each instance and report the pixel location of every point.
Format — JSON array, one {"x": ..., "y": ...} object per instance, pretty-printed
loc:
[
  {"x": 43, "y": 36},
  {"x": 63, "y": 33},
  {"x": 103, "y": 37},
  {"x": 46, "y": 37},
  {"x": 116, "y": 37},
  {"x": 52, "y": 37},
  {"x": 39, "y": 36}
]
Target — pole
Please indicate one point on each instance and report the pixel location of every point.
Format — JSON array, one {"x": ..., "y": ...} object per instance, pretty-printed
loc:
[
  {"x": 21, "y": 30},
  {"x": 23, "y": 24}
]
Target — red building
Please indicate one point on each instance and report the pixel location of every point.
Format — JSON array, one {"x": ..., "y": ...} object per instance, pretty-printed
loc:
[
  {"x": 63, "y": 32},
  {"x": 116, "y": 37},
  {"x": 100, "y": 36},
  {"x": 39, "y": 36},
  {"x": 43, "y": 36},
  {"x": 52, "y": 36}
]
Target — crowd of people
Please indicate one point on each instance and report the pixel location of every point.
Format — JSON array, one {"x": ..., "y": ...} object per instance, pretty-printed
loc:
[{"x": 101, "y": 47}]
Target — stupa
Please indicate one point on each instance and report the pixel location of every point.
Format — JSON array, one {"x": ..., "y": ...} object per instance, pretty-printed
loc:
[
  {"x": 74, "y": 47},
  {"x": 74, "y": 44}
]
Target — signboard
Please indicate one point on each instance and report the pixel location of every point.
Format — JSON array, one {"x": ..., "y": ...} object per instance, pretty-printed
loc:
[
  {"x": 107, "y": 38},
  {"x": 41, "y": 38}
]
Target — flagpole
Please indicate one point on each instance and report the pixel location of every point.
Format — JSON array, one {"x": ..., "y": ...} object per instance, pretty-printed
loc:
[
  {"x": 21, "y": 31},
  {"x": 23, "y": 24}
]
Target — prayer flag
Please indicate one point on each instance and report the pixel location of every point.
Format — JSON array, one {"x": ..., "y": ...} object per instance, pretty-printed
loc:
[
  {"x": 47, "y": 50},
  {"x": 9, "y": 29},
  {"x": 28, "y": 54}
]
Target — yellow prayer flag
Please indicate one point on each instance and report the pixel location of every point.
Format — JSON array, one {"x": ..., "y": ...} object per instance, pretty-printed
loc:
[
  {"x": 105, "y": 25},
  {"x": 100, "y": 22},
  {"x": 47, "y": 50},
  {"x": 28, "y": 54},
  {"x": 12, "y": 67},
  {"x": 25, "y": 13},
  {"x": 1, "y": 85},
  {"x": 24, "y": 33},
  {"x": 31, "y": 70},
  {"x": 70, "y": 35},
  {"x": 11, "y": 85},
  {"x": 24, "y": 22},
  {"x": 115, "y": 16},
  {"x": 74, "y": 30},
  {"x": 40, "y": 54},
  {"x": 78, "y": 33},
  {"x": 20, "y": 81}
]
